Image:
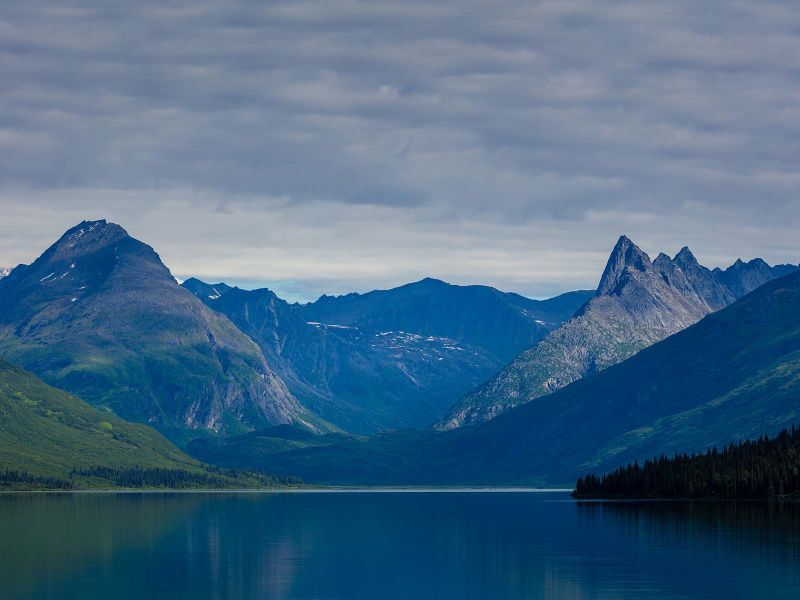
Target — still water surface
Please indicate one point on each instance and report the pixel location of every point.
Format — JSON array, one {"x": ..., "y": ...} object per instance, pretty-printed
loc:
[{"x": 392, "y": 545}]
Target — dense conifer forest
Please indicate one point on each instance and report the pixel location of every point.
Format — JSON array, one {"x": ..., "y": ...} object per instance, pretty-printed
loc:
[{"x": 759, "y": 469}]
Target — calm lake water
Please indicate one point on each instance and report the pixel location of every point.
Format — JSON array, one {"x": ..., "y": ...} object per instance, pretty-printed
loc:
[{"x": 392, "y": 545}]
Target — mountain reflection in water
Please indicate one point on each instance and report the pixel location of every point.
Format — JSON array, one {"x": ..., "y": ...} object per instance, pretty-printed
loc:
[{"x": 392, "y": 545}]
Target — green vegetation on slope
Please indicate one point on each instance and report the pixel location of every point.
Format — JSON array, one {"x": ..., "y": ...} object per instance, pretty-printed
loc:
[
  {"x": 49, "y": 432},
  {"x": 765, "y": 468},
  {"x": 51, "y": 439}
]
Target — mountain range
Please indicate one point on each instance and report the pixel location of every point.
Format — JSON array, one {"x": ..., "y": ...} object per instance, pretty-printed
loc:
[
  {"x": 733, "y": 375},
  {"x": 637, "y": 303},
  {"x": 99, "y": 315},
  {"x": 549, "y": 388},
  {"x": 388, "y": 359}
]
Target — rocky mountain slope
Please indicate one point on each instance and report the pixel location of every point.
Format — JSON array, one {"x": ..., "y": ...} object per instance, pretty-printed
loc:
[
  {"x": 99, "y": 315},
  {"x": 733, "y": 375},
  {"x": 636, "y": 304},
  {"x": 360, "y": 380}
]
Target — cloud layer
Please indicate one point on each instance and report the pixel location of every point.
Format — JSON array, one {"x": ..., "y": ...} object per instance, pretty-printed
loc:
[{"x": 329, "y": 146}]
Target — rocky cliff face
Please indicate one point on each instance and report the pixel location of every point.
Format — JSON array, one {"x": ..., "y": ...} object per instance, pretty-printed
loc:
[
  {"x": 638, "y": 303},
  {"x": 98, "y": 314}
]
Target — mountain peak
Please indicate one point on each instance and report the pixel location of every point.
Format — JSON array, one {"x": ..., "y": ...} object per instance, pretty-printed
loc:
[
  {"x": 84, "y": 259},
  {"x": 625, "y": 255},
  {"x": 661, "y": 260},
  {"x": 685, "y": 257},
  {"x": 99, "y": 226},
  {"x": 630, "y": 253},
  {"x": 430, "y": 281},
  {"x": 88, "y": 235}
]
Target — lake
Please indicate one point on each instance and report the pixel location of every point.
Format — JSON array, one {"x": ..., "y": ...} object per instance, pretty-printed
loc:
[{"x": 392, "y": 545}]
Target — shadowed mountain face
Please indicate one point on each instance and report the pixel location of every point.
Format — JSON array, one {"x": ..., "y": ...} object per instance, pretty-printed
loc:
[
  {"x": 376, "y": 363},
  {"x": 636, "y": 304},
  {"x": 734, "y": 375},
  {"x": 99, "y": 315}
]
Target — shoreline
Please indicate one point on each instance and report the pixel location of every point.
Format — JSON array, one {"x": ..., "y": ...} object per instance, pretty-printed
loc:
[{"x": 326, "y": 490}]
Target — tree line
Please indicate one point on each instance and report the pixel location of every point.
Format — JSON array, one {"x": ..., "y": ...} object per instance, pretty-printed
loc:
[
  {"x": 140, "y": 477},
  {"x": 14, "y": 480},
  {"x": 756, "y": 469},
  {"x": 211, "y": 477}
]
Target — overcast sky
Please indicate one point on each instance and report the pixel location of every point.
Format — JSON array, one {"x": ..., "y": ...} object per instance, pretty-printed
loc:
[{"x": 335, "y": 146}]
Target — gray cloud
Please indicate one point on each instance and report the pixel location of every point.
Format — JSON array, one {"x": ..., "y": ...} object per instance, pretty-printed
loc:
[{"x": 328, "y": 146}]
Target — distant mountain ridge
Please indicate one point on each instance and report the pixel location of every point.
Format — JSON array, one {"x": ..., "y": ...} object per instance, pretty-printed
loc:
[
  {"x": 503, "y": 323},
  {"x": 637, "y": 303},
  {"x": 99, "y": 315},
  {"x": 381, "y": 360}
]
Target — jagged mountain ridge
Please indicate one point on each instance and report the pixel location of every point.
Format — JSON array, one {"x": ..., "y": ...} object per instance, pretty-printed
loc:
[
  {"x": 99, "y": 315},
  {"x": 360, "y": 378},
  {"x": 637, "y": 303}
]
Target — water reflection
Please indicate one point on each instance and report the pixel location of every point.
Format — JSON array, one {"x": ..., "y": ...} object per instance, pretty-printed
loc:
[
  {"x": 429, "y": 545},
  {"x": 718, "y": 549}
]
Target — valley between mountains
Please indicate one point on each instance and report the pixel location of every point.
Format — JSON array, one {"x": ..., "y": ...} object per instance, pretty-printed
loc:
[{"x": 107, "y": 356}]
